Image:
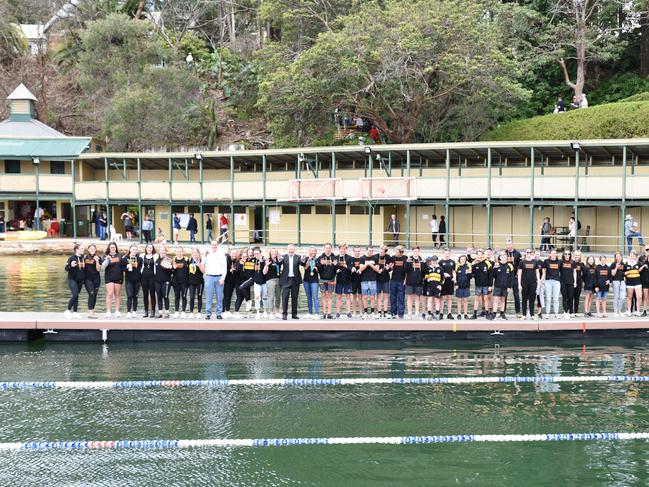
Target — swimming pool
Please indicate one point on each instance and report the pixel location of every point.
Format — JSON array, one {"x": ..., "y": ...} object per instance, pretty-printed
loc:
[{"x": 323, "y": 411}]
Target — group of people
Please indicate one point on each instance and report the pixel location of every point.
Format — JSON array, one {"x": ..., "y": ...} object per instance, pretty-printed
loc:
[
  {"x": 577, "y": 102},
  {"x": 357, "y": 283}
]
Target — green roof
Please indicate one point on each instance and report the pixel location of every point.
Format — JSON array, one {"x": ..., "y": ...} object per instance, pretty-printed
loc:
[{"x": 55, "y": 148}]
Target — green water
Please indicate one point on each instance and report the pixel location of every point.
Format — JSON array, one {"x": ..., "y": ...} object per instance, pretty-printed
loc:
[{"x": 375, "y": 410}]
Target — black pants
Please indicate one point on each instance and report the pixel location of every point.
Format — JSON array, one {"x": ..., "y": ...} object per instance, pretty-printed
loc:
[
  {"x": 577, "y": 295},
  {"x": 92, "y": 288},
  {"x": 545, "y": 242},
  {"x": 228, "y": 291},
  {"x": 291, "y": 288},
  {"x": 241, "y": 295},
  {"x": 196, "y": 291},
  {"x": 162, "y": 293},
  {"x": 567, "y": 294},
  {"x": 148, "y": 291},
  {"x": 147, "y": 236},
  {"x": 434, "y": 239},
  {"x": 75, "y": 289},
  {"x": 132, "y": 290},
  {"x": 180, "y": 292},
  {"x": 517, "y": 297},
  {"x": 529, "y": 296}
]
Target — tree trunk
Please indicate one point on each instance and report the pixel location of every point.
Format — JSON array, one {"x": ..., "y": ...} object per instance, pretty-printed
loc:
[{"x": 644, "y": 41}]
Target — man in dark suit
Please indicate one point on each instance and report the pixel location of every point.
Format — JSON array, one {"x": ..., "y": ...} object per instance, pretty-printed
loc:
[
  {"x": 290, "y": 280},
  {"x": 394, "y": 227}
]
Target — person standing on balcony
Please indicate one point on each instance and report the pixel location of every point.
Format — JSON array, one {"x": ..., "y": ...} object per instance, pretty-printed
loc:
[
  {"x": 176, "y": 227},
  {"x": 394, "y": 227},
  {"x": 631, "y": 230},
  {"x": 442, "y": 231},
  {"x": 192, "y": 227},
  {"x": 147, "y": 229},
  {"x": 223, "y": 225},
  {"x": 434, "y": 229},
  {"x": 103, "y": 226},
  {"x": 208, "y": 227},
  {"x": 127, "y": 218},
  {"x": 546, "y": 228}
]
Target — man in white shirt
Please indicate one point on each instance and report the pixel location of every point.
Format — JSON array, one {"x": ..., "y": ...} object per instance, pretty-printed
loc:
[
  {"x": 631, "y": 230},
  {"x": 214, "y": 268},
  {"x": 434, "y": 229}
]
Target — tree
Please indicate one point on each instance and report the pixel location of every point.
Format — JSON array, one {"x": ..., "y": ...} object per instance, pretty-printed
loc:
[
  {"x": 141, "y": 90},
  {"x": 584, "y": 31},
  {"x": 405, "y": 66},
  {"x": 12, "y": 42}
]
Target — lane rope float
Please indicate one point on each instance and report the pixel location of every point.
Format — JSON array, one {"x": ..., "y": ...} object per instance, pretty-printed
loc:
[
  {"x": 264, "y": 442},
  {"x": 297, "y": 382}
]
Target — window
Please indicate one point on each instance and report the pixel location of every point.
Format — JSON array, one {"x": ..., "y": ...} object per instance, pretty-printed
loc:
[
  {"x": 358, "y": 210},
  {"x": 12, "y": 167},
  {"x": 323, "y": 210},
  {"x": 306, "y": 209},
  {"x": 57, "y": 167},
  {"x": 289, "y": 210}
]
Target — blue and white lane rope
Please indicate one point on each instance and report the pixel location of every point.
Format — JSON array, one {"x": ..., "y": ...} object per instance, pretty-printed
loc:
[
  {"x": 385, "y": 440},
  {"x": 139, "y": 384}
]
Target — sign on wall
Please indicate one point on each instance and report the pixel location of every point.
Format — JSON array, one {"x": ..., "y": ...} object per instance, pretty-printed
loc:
[{"x": 241, "y": 219}]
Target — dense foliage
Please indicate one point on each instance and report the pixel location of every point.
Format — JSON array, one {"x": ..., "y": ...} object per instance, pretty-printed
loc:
[{"x": 159, "y": 74}]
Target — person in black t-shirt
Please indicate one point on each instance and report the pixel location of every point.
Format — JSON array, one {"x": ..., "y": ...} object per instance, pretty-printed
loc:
[
  {"x": 357, "y": 301},
  {"x": 92, "y": 269},
  {"x": 195, "y": 284},
  {"x": 414, "y": 282},
  {"x": 179, "y": 280},
  {"x": 344, "y": 280},
  {"x": 482, "y": 276},
  {"x": 514, "y": 258},
  {"x": 259, "y": 286},
  {"x": 327, "y": 265},
  {"x": 383, "y": 282},
  {"x": 369, "y": 271},
  {"x": 397, "y": 282},
  {"x": 589, "y": 278},
  {"x": 528, "y": 280},
  {"x": 114, "y": 277},
  {"x": 433, "y": 281},
  {"x": 76, "y": 276},
  {"x": 503, "y": 272},
  {"x": 568, "y": 271},
  {"x": 602, "y": 284},
  {"x": 579, "y": 267},
  {"x": 448, "y": 288},
  {"x": 133, "y": 276},
  {"x": 552, "y": 283}
]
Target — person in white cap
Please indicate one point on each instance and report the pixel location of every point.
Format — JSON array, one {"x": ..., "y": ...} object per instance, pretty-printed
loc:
[{"x": 631, "y": 230}]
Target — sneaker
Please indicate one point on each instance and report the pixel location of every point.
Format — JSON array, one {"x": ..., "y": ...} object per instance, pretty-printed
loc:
[
  {"x": 644, "y": 313},
  {"x": 449, "y": 316},
  {"x": 616, "y": 315},
  {"x": 574, "y": 315},
  {"x": 423, "y": 316},
  {"x": 519, "y": 316},
  {"x": 534, "y": 318},
  {"x": 349, "y": 315},
  {"x": 599, "y": 315},
  {"x": 408, "y": 316},
  {"x": 637, "y": 313},
  {"x": 219, "y": 317},
  {"x": 628, "y": 313},
  {"x": 490, "y": 316},
  {"x": 540, "y": 316},
  {"x": 307, "y": 316},
  {"x": 175, "y": 315},
  {"x": 547, "y": 317},
  {"x": 566, "y": 316},
  {"x": 556, "y": 316},
  {"x": 503, "y": 316},
  {"x": 466, "y": 317},
  {"x": 459, "y": 317},
  {"x": 227, "y": 314},
  {"x": 182, "y": 315},
  {"x": 207, "y": 317},
  {"x": 271, "y": 316},
  {"x": 258, "y": 316},
  {"x": 315, "y": 317},
  {"x": 68, "y": 314},
  {"x": 265, "y": 315},
  {"x": 76, "y": 315},
  {"x": 604, "y": 315},
  {"x": 118, "y": 314}
]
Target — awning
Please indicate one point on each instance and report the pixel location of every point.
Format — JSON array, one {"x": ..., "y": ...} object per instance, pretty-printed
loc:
[{"x": 59, "y": 148}]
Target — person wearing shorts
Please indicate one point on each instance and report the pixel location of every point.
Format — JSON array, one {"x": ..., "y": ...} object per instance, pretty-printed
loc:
[
  {"x": 383, "y": 283},
  {"x": 644, "y": 277},
  {"x": 369, "y": 270},
  {"x": 344, "y": 280},
  {"x": 632, "y": 270},
  {"x": 414, "y": 282},
  {"x": 482, "y": 270},
  {"x": 589, "y": 278},
  {"x": 463, "y": 274},
  {"x": 602, "y": 284},
  {"x": 433, "y": 281},
  {"x": 357, "y": 301},
  {"x": 503, "y": 271},
  {"x": 327, "y": 265},
  {"x": 448, "y": 266}
]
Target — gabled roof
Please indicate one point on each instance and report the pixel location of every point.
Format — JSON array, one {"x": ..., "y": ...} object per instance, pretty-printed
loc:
[
  {"x": 51, "y": 148},
  {"x": 31, "y": 128},
  {"x": 21, "y": 93}
]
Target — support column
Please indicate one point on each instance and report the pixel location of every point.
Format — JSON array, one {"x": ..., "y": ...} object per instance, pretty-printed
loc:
[
  {"x": 333, "y": 201},
  {"x": 448, "y": 194},
  {"x": 74, "y": 202},
  {"x": 299, "y": 225},
  {"x": 489, "y": 236},
  {"x": 264, "y": 238},
  {"x": 171, "y": 210},
  {"x": 623, "y": 205},
  {"x": 370, "y": 211},
  {"x": 576, "y": 202},
  {"x": 408, "y": 237},
  {"x": 532, "y": 164},
  {"x": 232, "y": 229},
  {"x": 37, "y": 213},
  {"x": 139, "y": 197},
  {"x": 202, "y": 201},
  {"x": 109, "y": 219}
]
